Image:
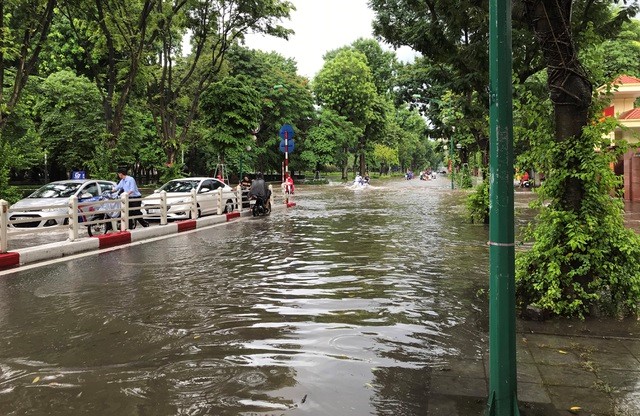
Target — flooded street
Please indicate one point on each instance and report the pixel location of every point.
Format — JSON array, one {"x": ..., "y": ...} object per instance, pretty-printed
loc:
[{"x": 343, "y": 305}]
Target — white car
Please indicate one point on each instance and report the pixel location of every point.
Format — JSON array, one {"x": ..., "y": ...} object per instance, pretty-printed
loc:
[
  {"x": 179, "y": 198},
  {"x": 48, "y": 206}
]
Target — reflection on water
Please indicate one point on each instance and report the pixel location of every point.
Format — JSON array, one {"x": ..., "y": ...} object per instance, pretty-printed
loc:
[{"x": 341, "y": 306}]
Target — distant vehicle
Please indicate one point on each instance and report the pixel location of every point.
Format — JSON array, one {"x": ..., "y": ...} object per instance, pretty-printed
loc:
[
  {"x": 48, "y": 205},
  {"x": 179, "y": 198}
]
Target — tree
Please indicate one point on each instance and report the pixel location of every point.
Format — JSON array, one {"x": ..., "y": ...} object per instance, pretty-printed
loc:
[
  {"x": 71, "y": 121},
  {"x": 386, "y": 157},
  {"x": 583, "y": 258},
  {"x": 215, "y": 27},
  {"x": 116, "y": 36},
  {"x": 345, "y": 85},
  {"x": 327, "y": 139},
  {"x": 24, "y": 26},
  {"x": 275, "y": 95},
  {"x": 230, "y": 109},
  {"x": 383, "y": 64}
]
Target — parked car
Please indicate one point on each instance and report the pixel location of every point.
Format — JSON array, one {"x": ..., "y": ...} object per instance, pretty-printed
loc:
[
  {"x": 179, "y": 198},
  {"x": 48, "y": 205}
]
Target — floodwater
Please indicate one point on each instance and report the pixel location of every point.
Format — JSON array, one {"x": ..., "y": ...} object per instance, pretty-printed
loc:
[{"x": 339, "y": 306}]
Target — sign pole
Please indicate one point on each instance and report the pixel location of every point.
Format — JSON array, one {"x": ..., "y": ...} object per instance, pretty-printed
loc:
[
  {"x": 286, "y": 136},
  {"x": 286, "y": 154}
]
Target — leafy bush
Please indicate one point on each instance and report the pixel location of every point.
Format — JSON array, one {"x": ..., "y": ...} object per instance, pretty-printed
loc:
[
  {"x": 478, "y": 204},
  {"x": 583, "y": 260}
]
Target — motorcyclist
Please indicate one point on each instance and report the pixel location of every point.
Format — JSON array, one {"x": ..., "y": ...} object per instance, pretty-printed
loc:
[{"x": 259, "y": 189}]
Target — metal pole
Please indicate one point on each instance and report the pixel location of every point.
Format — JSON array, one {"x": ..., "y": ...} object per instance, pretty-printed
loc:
[
  {"x": 451, "y": 160},
  {"x": 46, "y": 170},
  {"x": 502, "y": 400},
  {"x": 286, "y": 155}
]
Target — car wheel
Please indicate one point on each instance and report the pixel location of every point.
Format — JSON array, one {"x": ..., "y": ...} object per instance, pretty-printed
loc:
[{"x": 198, "y": 214}]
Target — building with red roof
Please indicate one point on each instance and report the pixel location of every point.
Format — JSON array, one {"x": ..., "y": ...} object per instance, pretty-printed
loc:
[{"x": 624, "y": 95}]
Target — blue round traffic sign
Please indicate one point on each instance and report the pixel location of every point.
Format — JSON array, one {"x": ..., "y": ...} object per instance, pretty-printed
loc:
[
  {"x": 286, "y": 131},
  {"x": 290, "y": 146}
]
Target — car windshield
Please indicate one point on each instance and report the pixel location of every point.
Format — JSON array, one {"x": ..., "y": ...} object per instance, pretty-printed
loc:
[
  {"x": 56, "y": 190},
  {"x": 180, "y": 186}
]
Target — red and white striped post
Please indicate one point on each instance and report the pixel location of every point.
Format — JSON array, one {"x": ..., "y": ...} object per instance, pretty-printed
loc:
[{"x": 286, "y": 155}]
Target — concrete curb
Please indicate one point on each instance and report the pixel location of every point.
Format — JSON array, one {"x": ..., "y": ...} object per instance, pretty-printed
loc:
[{"x": 30, "y": 255}]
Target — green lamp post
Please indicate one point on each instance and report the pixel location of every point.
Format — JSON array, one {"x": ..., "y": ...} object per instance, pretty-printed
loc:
[{"x": 451, "y": 160}]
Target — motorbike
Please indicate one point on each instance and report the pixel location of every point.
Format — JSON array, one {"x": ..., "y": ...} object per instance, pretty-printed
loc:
[
  {"x": 259, "y": 206},
  {"x": 105, "y": 215}
]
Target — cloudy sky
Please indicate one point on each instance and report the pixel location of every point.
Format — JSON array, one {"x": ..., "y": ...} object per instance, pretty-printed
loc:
[{"x": 321, "y": 26}]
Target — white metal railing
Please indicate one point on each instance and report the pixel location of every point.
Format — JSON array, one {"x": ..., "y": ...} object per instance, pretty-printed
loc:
[
  {"x": 76, "y": 215},
  {"x": 4, "y": 224}
]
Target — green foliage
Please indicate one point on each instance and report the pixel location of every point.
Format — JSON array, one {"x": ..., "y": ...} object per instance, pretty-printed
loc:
[
  {"x": 386, "y": 157},
  {"x": 581, "y": 260},
  {"x": 71, "y": 120},
  {"x": 478, "y": 204},
  {"x": 231, "y": 108},
  {"x": 345, "y": 85},
  {"x": 463, "y": 177},
  {"x": 328, "y": 138},
  {"x": 383, "y": 64},
  {"x": 171, "y": 172},
  {"x": 8, "y": 193}
]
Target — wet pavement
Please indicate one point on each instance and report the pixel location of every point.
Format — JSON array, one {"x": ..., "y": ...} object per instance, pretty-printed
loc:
[
  {"x": 352, "y": 303},
  {"x": 563, "y": 368}
]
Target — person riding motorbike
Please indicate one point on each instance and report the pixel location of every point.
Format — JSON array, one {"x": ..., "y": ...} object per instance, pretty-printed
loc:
[{"x": 259, "y": 190}]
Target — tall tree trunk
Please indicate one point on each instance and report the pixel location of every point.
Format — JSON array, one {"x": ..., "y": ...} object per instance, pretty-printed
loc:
[
  {"x": 570, "y": 90},
  {"x": 25, "y": 63}
]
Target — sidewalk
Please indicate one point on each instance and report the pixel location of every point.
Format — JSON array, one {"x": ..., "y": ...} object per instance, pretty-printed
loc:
[{"x": 564, "y": 368}]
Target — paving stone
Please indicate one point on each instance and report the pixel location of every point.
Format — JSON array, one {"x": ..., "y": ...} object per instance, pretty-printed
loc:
[
  {"x": 528, "y": 373},
  {"x": 461, "y": 367},
  {"x": 533, "y": 393},
  {"x": 561, "y": 375},
  {"x": 591, "y": 401},
  {"x": 633, "y": 346},
  {"x": 453, "y": 405},
  {"x": 604, "y": 345},
  {"x": 628, "y": 404},
  {"x": 620, "y": 380},
  {"x": 523, "y": 354},
  {"x": 549, "y": 341},
  {"x": 616, "y": 361},
  {"x": 458, "y": 386},
  {"x": 555, "y": 356}
]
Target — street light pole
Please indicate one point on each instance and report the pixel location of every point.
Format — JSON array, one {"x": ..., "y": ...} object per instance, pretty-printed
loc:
[
  {"x": 46, "y": 169},
  {"x": 241, "y": 163},
  {"x": 503, "y": 379},
  {"x": 451, "y": 160}
]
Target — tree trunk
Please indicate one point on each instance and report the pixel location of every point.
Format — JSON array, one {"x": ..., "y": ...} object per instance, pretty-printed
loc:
[{"x": 569, "y": 87}]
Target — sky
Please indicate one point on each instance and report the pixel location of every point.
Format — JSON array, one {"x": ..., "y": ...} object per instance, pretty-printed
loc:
[{"x": 321, "y": 26}]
